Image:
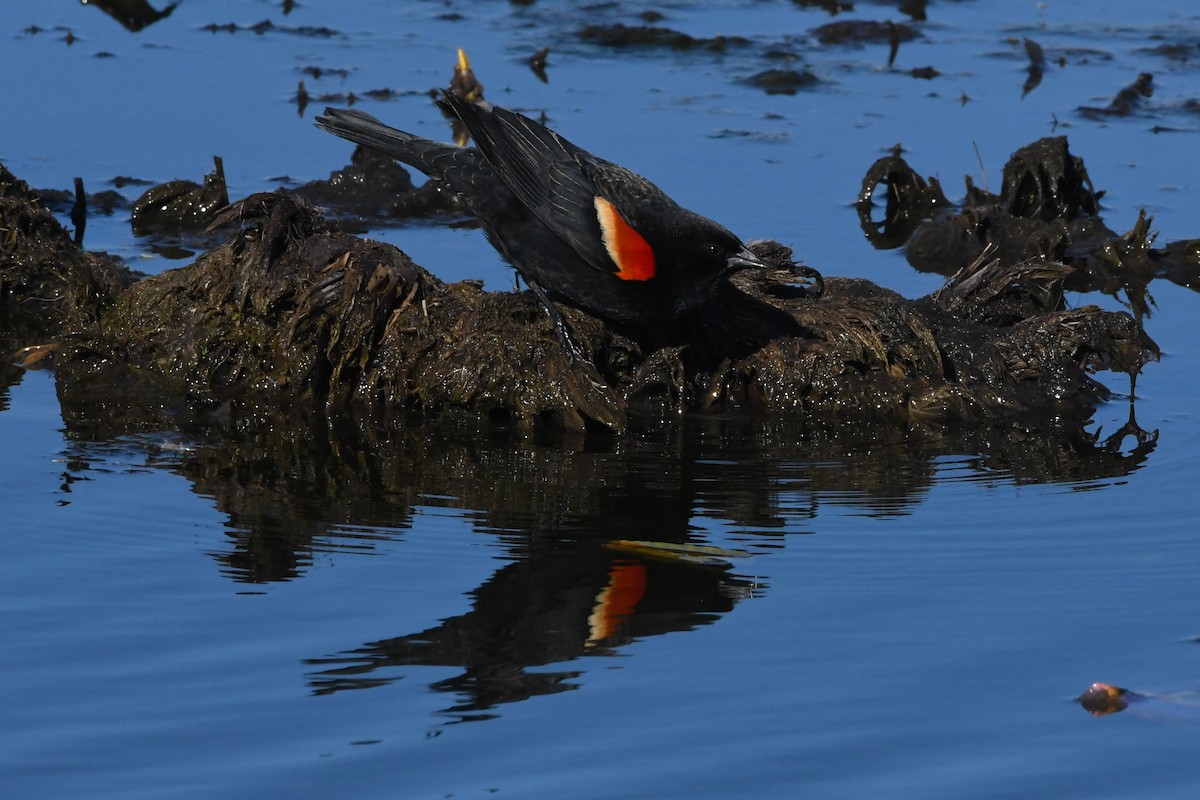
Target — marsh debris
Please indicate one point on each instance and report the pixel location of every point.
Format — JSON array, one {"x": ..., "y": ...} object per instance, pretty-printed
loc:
[
  {"x": 621, "y": 35},
  {"x": 782, "y": 81},
  {"x": 181, "y": 206},
  {"x": 292, "y": 311},
  {"x": 537, "y": 64},
  {"x": 1037, "y": 66},
  {"x": 374, "y": 188},
  {"x": 1128, "y": 101},
  {"x": 860, "y": 32},
  {"x": 1047, "y": 208},
  {"x": 43, "y": 274}
]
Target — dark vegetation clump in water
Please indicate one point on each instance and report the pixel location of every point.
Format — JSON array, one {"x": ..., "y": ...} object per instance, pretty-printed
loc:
[
  {"x": 292, "y": 312},
  {"x": 1047, "y": 209},
  {"x": 182, "y": 205},
  {"x": 621, "y": 35},
  {"x": 46, "y": 278},
  {"x": 782, "y": 81}
]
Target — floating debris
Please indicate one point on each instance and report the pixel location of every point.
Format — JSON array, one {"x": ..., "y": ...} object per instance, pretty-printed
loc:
[
  {"x": 1127, "y": 101},
  {"x": 696, "y": 555},
  {"x": 859, "y": 32},
  {"x": 537, "y": 63},
  {"x": 1037, "y": 66},
  {"x": 1103, "y": 699},
  {"x": 182, "y": 205},
  {"x": 620, "y": 35},
  {"x": 782, "y": 81}
]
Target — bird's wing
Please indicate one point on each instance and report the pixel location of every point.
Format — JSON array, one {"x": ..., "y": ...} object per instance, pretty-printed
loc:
[{"x": 549, "y": 175}]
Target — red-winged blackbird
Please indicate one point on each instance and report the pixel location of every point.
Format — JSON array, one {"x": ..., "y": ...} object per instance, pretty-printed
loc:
[{"x": 575, "y": 226}]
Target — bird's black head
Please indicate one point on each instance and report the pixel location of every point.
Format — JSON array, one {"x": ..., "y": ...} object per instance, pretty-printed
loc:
[
  {"x": 708, "y": 249},
  {"x": 694, "y": 256}
]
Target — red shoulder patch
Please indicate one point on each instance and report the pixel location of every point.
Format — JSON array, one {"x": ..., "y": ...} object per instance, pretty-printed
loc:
[
  {"x": 632, "y": 254},
  {"x": 617, "y": 601}
]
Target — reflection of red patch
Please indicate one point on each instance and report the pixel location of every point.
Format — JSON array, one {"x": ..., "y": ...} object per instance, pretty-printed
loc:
[
  {"x": 618, "y": 600},
  {"x": 629, "y": 251}
]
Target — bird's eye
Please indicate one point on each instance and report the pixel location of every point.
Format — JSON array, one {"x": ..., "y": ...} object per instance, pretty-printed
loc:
[{"x": 714, "y": 249}]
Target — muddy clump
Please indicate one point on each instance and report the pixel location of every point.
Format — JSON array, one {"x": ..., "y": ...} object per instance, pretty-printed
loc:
[
  {"x": 292, "y": 311},
  {"x": 622, "y": 36},
  {"x": 43, "y": 274},
  {"x": 1047, "y": 208},
  {"x": 181, "y": 206}
]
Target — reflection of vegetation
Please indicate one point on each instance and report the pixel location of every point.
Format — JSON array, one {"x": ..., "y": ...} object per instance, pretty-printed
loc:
[
  {"x": 133, "y": 14},
  {"x": 289, "y": 489},
  {"x": 292, "y": 491}
]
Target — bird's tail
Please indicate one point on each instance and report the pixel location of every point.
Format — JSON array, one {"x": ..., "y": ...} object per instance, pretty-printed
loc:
[{"x": 426, "y": 155}]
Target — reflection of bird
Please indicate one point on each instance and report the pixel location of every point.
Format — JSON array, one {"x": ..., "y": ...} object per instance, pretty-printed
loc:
[{"x": 575, "y": 226}]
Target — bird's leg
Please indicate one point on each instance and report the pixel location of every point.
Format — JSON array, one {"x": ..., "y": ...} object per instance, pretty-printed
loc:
[
  {"x": 592, "y": 396},
  {"x": 560, "y": 325}
]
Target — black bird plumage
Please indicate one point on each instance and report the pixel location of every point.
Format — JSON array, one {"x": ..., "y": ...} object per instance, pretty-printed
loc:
[{"x": 575, "y": 226}]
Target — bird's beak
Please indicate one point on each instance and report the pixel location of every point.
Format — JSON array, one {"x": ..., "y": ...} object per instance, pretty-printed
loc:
[{"x": 744, "y": 259}]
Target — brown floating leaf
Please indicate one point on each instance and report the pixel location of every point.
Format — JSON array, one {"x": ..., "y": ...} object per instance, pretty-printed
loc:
[{"x": 696, "y": 555}]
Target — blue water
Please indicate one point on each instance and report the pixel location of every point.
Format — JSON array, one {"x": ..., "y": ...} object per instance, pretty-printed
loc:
[{"x": 193, "y": 617}]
